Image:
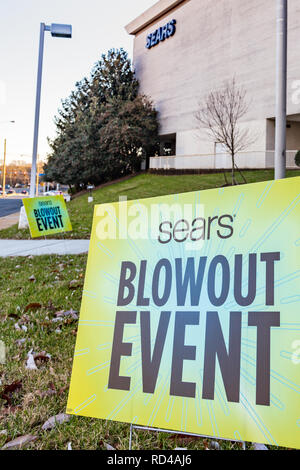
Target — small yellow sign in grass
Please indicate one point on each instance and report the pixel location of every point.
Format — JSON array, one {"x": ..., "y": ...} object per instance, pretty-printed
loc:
[{"x": 47, "y": 215}]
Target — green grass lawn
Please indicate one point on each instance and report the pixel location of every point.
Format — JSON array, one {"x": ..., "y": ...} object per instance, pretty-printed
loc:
[
  {"x": 139, "y": 187},
  {"x": 43, "y": 392}
]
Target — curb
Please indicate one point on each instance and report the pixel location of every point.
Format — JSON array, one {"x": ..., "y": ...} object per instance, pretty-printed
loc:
[{"x": 9, "y": 220}]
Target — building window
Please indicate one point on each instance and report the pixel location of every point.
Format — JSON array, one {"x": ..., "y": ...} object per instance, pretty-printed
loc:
[{"x": 168, "y": 145}]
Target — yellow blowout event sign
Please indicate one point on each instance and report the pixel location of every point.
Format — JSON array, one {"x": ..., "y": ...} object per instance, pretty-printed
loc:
[
  {"x": 47, "y": 215},
  {"x": 190, "y": 314}
]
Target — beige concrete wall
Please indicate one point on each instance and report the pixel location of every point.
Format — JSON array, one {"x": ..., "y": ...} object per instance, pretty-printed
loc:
[{"x": 214, "y": 41}]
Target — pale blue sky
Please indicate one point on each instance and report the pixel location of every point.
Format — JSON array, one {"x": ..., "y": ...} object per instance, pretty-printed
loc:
[{"x": 98, "y": 25}]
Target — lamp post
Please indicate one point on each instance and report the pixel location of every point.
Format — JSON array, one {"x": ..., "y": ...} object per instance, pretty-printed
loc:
[
  {"x": 4, "y": 160},
  {"x": 4, "y": 170},
  {"x": 281, "y": 89},
  {"x": 58, "y": 31}
]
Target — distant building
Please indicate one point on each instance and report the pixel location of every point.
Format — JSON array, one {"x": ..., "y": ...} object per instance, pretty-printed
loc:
[
  {"x": 183, "y": 49},
  {"x": 17, "y": 172}
]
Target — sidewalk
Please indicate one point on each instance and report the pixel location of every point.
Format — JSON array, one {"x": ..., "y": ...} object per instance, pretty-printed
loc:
[
  {"x": 42, "y": 247},
  {"x": 9, "y": 220}
]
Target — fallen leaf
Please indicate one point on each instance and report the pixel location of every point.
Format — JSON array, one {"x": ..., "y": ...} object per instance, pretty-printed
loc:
[
  {"x": 2, "y": 352},
  {"x": 9, "y": 390},
  {"x": 54, "y": 420},
  {"x": 75, "y": 284},
  {"x": 257, "y": 446},
  {"x": 71, "y": 313},
  {"x": 13, "y": 315},
  {"x": 55, "y": 320},
  {"x": 63, "y": 390},
  {"x": 20, "y": 442},
  {"x": 32, "y": 306},
  {"x": 13, "y": 387},
  {"x": 60, "y": 313},
  {"x": 42, "y": 357},
  {"x": 214, "y": 445},
  {"x": 205, "y": 443},
  {"x": 10, "y": 410},
  {"x": 109, "y": 447},
  {"x": 30, "y": 364}
]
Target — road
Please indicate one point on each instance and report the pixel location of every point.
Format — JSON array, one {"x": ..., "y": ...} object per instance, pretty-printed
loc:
[{"x": 9, "y": 206}]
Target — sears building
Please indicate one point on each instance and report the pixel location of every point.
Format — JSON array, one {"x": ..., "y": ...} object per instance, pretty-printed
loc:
[{"x": 184, "y": 49}]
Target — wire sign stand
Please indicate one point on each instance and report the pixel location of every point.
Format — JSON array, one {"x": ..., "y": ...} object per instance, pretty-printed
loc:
[{"x": 145, "y": 428}]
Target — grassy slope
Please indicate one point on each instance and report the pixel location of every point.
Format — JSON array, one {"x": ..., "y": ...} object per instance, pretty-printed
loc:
[{"x": 139, "y": 187}]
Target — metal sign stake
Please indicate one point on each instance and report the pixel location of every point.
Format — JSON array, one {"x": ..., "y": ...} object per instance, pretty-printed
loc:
[{"x": 145, "y": 428}]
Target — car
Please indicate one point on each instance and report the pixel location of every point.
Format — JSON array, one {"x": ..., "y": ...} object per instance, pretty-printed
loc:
[
  {"x": 24, "y": 191},
  {"x": 54, "y": 193},
  {"x": 66, "y": 196},
  {"x": 50, "y": 193}
]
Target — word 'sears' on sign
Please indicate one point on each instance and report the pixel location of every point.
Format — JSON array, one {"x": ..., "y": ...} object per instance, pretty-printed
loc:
[{"x": 160, "y": 34}]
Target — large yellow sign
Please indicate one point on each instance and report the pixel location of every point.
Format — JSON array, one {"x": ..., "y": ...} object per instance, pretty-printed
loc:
[
  {"x": 190, "y": 314},
  {"x": 47, "y": 215}
]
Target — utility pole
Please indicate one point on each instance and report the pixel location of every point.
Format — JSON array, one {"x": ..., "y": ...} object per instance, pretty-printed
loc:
[
  {"x": 60, "y": 31},
  {"x": 4, "y": 170},
  {"x": 37, "y": 110},
  {"x": 281, "y": 89},
  {"x": 37, "y": 177}
]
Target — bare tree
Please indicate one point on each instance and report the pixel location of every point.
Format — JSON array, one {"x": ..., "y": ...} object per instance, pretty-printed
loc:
[{"x": 221, "y": 115}]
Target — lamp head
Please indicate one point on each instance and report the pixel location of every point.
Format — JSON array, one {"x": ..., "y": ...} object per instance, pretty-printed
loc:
[{"x": 61, "y": 30}]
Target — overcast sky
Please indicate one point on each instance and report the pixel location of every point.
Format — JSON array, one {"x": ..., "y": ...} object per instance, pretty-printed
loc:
[{"x": 98, "y": 25}]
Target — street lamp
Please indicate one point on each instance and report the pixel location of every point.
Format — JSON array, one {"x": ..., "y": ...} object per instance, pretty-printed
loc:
[
  {"x": 4, "y": 160},
  {"x": 57, "y": 31},
  {"x": 281, "y": 89}
]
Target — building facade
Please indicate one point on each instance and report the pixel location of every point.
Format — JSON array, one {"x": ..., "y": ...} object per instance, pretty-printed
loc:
[{"x": 184, "y": 49}]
